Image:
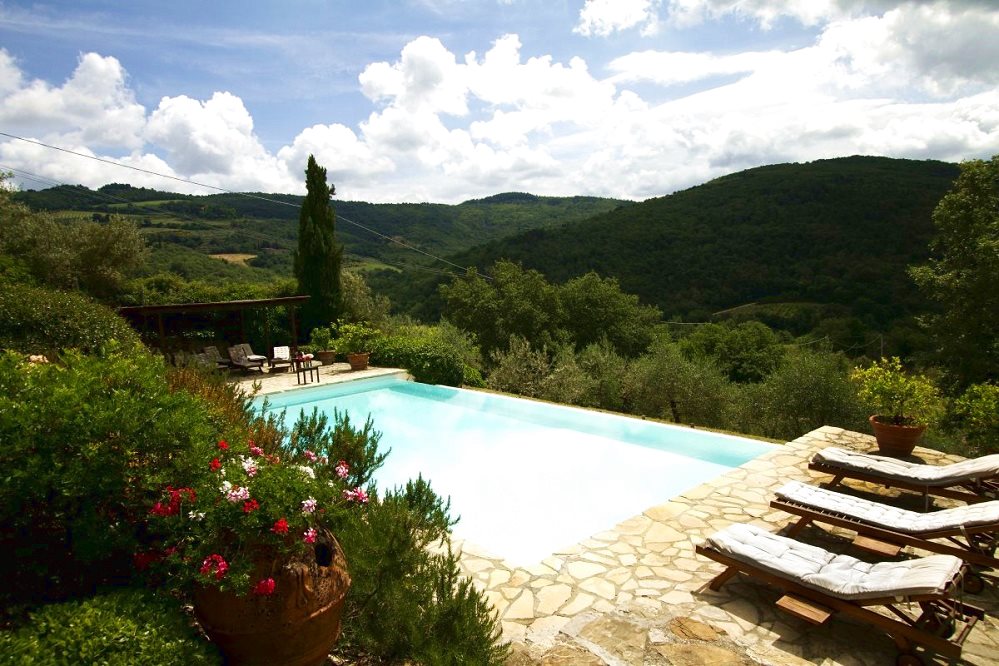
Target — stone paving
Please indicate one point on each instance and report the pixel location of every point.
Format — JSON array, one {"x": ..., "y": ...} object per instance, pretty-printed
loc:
[{"x": 637, "y": 593}]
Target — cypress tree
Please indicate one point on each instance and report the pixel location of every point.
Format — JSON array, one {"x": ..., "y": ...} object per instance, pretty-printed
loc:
[{"x": 318, "y": 258}]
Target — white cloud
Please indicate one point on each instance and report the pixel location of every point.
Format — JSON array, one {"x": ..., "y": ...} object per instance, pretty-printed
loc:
[
  {"x": 603, "y": 17},
  {"x": 443, "y": 126},
  {"x": 94, "y": 106}
]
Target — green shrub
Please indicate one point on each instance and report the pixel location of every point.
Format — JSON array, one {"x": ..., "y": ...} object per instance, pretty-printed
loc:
[
  {"x": 896, "y": 396},
  {"x": 86, "y": 442},
  {"x": 668, "y": 385},
  {"x": 429, "y": 360},
  {"x": 520, "y": 369},
  {"x": 122, "y": 627},
  {"x": 977, "y": 413},
  {"x": 36, "y": 320},
  {"x": 808, "y": 390},
  {"x": 406, "y": 603}
]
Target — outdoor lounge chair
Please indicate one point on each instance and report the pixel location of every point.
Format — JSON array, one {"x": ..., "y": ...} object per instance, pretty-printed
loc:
[
  {"x": 239, "y": 360},
  {"x": 817, "y": 583},
  {"x": 978, "y": 478},
  {"x": 969, "y": 532},
  {"x": 250, "y": 356},
  {"x": 212, "y": 352},
  {"x": 281, "y": 358}
]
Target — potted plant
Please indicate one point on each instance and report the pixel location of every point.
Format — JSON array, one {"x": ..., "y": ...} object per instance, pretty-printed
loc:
[
  {"x": 321, "y": 340},
  {"x": 354, "y": 340},
  {"x": 251, "y": 536},
  {"x": 904, "y": 404}
]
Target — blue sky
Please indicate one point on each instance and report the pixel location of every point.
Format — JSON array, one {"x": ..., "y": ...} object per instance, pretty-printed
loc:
[{"x": 446, "y": 100}]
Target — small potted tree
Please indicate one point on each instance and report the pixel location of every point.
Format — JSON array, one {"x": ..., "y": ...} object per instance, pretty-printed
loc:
[
  {"x": 354, "y": 340},
  {"x": 904, "y": 404},
  {"x": 321, "y": 342}
]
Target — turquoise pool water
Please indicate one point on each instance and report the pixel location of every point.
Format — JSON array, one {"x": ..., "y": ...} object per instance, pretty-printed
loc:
[{"x": 527, "y": 478}]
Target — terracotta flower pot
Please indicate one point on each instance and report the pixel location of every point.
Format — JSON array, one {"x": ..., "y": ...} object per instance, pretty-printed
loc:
[
  {"x": 326, "y": 357},
  {"x": 297, "y": 625},
  {"x": 896, "y": 440},
  {"x": 358, "y": 361}
]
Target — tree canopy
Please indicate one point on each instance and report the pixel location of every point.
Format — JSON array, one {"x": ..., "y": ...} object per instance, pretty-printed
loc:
[
  {"x": 318, "y": 258},
  {"x": 962, "y": 276}
]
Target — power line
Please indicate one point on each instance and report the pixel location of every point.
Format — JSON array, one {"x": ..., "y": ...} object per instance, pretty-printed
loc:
[{"x": 241, "y": 194}]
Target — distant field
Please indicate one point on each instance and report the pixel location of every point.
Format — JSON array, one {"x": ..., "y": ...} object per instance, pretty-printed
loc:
[{"x": 240, "y": 259}]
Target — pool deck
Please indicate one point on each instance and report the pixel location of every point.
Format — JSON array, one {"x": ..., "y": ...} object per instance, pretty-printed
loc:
[{"x": 637, "y": 593}]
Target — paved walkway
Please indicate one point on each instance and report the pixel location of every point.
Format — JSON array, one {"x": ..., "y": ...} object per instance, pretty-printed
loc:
[{"x": 637, "y": 594}]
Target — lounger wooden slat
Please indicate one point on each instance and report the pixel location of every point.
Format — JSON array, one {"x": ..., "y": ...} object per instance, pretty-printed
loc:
[
  {"x": 973, "y": 480},
  {"x": 924, "y": 540},
  {"x": 905, "y": 631}
]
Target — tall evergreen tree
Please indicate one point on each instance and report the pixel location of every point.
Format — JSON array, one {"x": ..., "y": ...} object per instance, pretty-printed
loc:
[{"x": 318, "y": 258}]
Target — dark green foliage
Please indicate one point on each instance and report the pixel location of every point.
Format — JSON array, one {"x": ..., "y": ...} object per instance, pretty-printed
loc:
[
  {"x": 962, "y": 277},
  {"x": 85, "y": 444},
  {"x": 116, "y": 628},
  {"x": 429, "y": 360},
  {"x": 520, "y": 369},
  {"x": 95, "y": 257},
  {"x": 596, "y": 309},
  {"x": 38, "y": 320},
  {"x": 975, "y": 414},
  {"x": 357, "y": 447},
  {"x": 405, "y": 602},
  {"x": 666, "y": 384},
  {"x": 831, "y": 231},
  {"x": 808, "y": 390},
  {"x": 518, "y": 302},
  {"x": 746, "y": 352},
  {"x": 318, "y": 258}
]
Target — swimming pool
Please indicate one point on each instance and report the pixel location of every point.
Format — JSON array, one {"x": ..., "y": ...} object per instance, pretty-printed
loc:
[{"x": 527, "y": 478}]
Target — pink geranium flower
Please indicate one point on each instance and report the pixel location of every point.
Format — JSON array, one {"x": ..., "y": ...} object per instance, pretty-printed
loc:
[
  {"x": 310, "y": 456},
  {"x": 356, "y": 495},
  {"x": 309, "y": 505},
  {"x": 342, "y": 469},
  {"x": 309, "y": 536},
  {"x": 215, "y": 564},
  {"x": 264, "y": 587}
]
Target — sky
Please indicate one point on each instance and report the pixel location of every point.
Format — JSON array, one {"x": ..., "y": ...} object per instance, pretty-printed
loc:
[{"x": 450, "y": 100}]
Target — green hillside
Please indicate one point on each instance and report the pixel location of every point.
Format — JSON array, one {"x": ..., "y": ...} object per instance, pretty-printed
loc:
[
  {"x": 179, "y": 227},
  {"x": 838, "y": 233}
]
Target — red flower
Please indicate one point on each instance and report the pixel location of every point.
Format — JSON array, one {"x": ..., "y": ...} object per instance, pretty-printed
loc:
[
  {"x": 143, "y": 560},
  {"x": 172, "y": 508},
  {"x": 280, "y": 527},
  {"x": 223, "y": 445},
  {"x": 215, "y": 465},
  {"x": 215, "y": 564},
  {"x": 161, "y": 509},
  {"x": 250, "y": 506},
  {"x": 264, "y": 587}
]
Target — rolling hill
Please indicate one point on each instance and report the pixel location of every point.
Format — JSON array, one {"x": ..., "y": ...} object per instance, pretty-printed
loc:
[{"x": 836, "y": 232}]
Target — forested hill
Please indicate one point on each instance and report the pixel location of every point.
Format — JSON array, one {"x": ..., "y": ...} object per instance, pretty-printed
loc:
[
  {"x": 838, "y": 231},
  {"x": 267, "y": 224}
]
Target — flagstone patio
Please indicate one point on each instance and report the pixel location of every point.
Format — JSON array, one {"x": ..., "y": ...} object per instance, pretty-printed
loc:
[{"x": 637, "y": 593}]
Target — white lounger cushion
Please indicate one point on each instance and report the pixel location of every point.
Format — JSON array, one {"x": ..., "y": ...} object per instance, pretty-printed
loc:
[
  {"x": 890, "y": 517},
  {"x": 839, "y": 576},
  {"x": 892, "y": 468}
]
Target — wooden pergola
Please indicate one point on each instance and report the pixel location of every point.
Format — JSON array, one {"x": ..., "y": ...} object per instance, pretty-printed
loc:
[{"x": 145, "y": 314}]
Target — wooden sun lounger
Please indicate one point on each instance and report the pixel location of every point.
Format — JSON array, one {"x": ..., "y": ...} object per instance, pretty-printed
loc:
[
  {"x": 974, "y": 488},
  {"x": 238, "y": 358},
  {"x": 975, "y": 544},
  {"x": 943, "y": 624}
]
